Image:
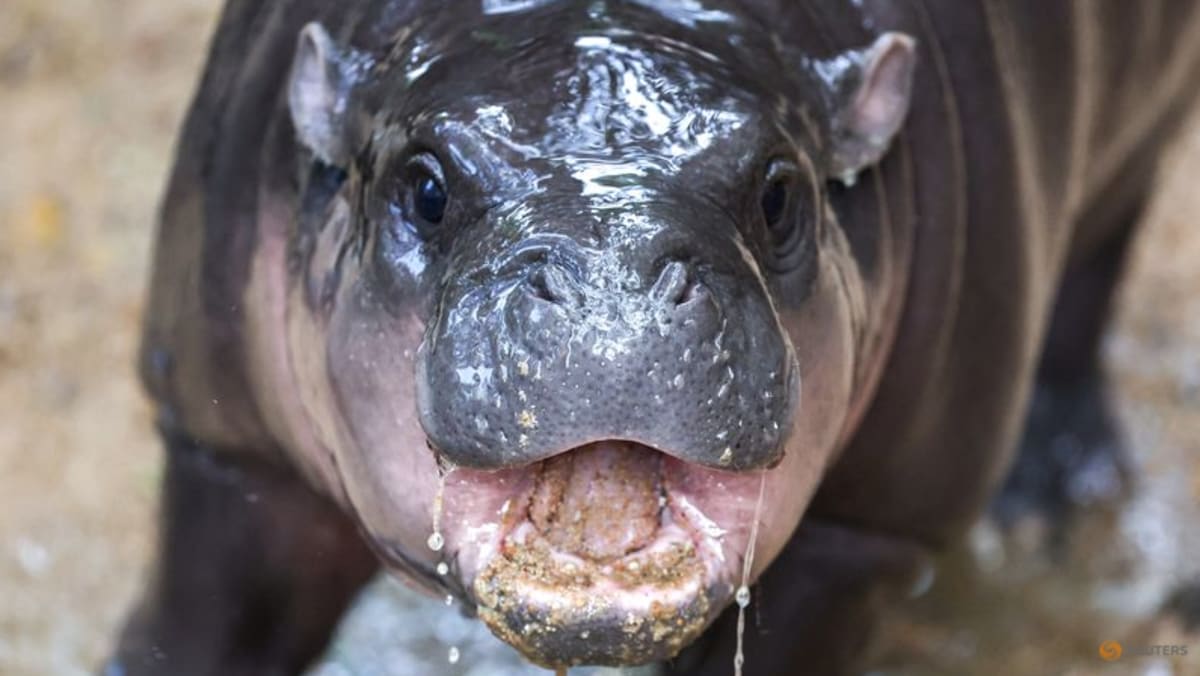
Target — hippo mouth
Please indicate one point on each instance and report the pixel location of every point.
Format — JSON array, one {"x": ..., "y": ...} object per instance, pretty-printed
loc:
[{"x": 603, "y": 556}]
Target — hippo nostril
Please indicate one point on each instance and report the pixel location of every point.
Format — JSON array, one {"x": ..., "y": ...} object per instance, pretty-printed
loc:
[
  {"x": 552, "y": 284},
  {"x": 675, "y": 285},
  {"x": 690, "y": 292}
]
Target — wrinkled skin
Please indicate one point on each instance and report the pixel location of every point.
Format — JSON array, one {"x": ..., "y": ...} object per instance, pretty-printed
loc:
[{"x": 575, "y": 310}]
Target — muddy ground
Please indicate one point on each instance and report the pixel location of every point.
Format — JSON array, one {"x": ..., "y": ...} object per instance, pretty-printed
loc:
[{"x": 91, "y": 94}]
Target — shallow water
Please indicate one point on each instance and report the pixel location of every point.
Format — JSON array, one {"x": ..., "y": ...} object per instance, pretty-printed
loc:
[{"x": 92, "y": 94}]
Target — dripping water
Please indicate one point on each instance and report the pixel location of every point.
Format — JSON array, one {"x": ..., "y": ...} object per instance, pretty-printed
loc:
[
  {"x": 743, "y": 593},
  {"x": 436, "y": 540}
]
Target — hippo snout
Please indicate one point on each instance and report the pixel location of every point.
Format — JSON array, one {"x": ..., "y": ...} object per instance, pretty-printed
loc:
[
  {"x": 560, "y": 285},
  {"x": 576, "y": 347}
]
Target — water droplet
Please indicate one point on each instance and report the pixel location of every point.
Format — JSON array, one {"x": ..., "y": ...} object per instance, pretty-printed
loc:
[
  {"x": 743, "y": 596},
  {"x": 453, "y": 655},
  {"x": 449, "y": 600},
  {"x": 436, "y": 541},
  {"x": 442, "y": 568},
  {"x": 678, "y": 382}
]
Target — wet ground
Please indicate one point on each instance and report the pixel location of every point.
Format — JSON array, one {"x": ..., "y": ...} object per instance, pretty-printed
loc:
[{"x": 91, "y": 92}]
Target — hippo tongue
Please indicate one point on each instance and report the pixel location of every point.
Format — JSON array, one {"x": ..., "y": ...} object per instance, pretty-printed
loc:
[{"x": 600, "y": 501}]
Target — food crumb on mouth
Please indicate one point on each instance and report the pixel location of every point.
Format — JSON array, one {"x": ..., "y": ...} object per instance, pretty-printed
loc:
[
  {"x": 726, "y": 457},
  {"x": 527, "y": 419},
  {"x": 599, "y": 557}
]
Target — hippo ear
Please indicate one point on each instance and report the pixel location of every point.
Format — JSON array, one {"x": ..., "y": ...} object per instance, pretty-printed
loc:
[
  {"x": 317, "y": 93},
  {"x": 871, "y": 102}
]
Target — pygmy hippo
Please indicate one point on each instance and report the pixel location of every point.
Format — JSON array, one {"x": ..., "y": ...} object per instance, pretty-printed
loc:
[{"x": 610, "y": 317}]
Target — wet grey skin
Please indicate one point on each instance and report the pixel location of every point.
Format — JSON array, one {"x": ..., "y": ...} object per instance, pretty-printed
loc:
[
  {"x": 788, "y": 268},
  {"x": 602, "y": 284}
]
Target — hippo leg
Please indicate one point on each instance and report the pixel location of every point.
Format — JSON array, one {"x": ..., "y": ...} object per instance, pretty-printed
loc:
[
  {"x": 1072, "y": 453},
  {"x": 816, "y": 609},
  {"x": 1184, "y": 603},
  {"x": 254, "y": 572}
]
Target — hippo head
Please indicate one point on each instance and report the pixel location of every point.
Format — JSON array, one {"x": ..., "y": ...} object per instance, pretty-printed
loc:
[{"x": 573, "y": 319}]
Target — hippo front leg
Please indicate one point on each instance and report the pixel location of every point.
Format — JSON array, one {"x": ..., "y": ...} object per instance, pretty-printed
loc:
[
  {"x": 253, "y": 572},
  {"x": 816, "y": 609}
]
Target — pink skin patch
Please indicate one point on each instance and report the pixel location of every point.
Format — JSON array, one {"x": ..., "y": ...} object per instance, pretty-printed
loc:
[{"x": 611, "y": 537}]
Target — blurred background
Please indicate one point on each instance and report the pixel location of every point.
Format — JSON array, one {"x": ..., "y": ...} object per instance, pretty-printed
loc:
[{"x": 91, "y": 95}]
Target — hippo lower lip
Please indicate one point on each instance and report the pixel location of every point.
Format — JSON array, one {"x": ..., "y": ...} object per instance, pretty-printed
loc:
[{"x": 607, "y": 561}]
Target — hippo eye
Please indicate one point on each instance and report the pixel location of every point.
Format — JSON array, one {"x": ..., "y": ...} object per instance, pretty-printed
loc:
[
  {"x": 777, "y": 204},
  {"x": 775, "y": 201},
  {"x": 429, "y": 198},
  {"x": 417, "y": 194}
]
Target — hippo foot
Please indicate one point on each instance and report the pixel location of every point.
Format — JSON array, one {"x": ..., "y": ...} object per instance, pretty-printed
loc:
[
  {"x": 1072, "y": 457},
  {"x": 1185, "y": 605}
]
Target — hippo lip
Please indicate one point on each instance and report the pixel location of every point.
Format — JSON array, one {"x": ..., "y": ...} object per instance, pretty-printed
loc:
[{"x": 602, "y": 557}]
